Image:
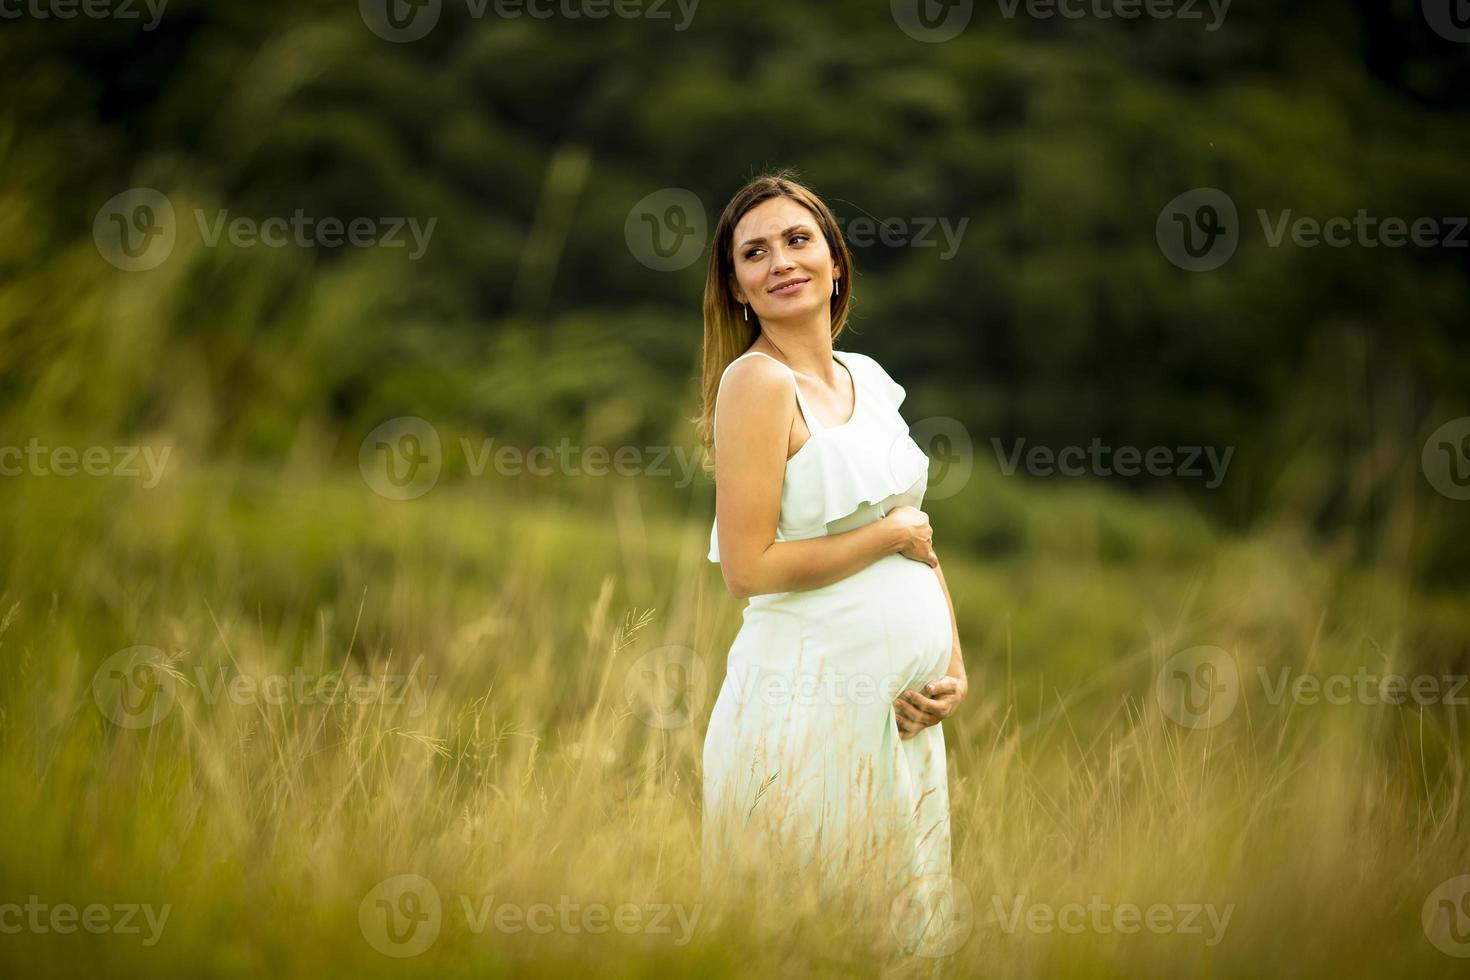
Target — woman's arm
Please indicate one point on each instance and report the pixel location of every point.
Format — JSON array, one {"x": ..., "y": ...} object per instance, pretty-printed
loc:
[
  {"x": 753, "y": 423},
  {"x": 795, "y": 566},
  {"x": 956, "y": 658}
]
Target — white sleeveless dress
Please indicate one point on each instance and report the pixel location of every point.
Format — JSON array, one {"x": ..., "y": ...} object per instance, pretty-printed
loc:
[{"x": 803, "y": 756}]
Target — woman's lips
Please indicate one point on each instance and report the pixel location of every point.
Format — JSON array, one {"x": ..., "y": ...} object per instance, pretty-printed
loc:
[{"x": 788, "y": 290}]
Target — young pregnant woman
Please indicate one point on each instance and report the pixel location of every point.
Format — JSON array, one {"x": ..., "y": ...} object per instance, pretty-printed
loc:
[{"x": 824, "y": 754}]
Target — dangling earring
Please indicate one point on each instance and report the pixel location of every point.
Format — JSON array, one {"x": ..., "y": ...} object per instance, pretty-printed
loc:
[
  {"x": 835, "y": 287},
  {"x": 747, "y": 310}
]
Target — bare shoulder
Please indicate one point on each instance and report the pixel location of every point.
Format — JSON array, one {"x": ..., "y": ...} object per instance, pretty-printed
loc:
[
  {"x": 758, "y": 377},
  {"x": 755, "y": 389}
]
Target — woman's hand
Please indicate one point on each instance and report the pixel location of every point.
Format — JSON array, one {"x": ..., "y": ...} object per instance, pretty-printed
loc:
[
  {"x": 915, "y": 533},
  {"x": 931, "y": 704}
]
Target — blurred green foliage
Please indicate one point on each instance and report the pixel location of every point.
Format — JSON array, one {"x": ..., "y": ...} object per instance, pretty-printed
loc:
[{"x": 1057, "y": 319}]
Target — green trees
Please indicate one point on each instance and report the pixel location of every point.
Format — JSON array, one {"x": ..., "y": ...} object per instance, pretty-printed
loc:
[{"x": 1055, "y": 143}]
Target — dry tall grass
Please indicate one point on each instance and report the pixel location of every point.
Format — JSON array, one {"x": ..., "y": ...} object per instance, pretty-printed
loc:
[{"x": 515, "y": 771}]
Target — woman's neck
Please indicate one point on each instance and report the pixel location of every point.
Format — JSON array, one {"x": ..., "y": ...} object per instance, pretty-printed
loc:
[{"x": 806, "y": 349}]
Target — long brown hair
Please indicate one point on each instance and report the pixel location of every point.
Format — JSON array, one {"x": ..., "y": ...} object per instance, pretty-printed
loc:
[{"x": 727, "y": 334}]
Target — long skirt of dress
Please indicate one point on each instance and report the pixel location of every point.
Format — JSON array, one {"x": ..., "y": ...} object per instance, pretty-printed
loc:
[{"x": 805, "y": 775}]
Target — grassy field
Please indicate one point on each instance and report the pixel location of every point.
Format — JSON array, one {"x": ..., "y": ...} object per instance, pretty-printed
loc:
[{"x": 246, "y": 703}]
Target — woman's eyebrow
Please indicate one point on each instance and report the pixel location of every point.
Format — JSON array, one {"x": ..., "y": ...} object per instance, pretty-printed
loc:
[{"x": 756, "y": 241}]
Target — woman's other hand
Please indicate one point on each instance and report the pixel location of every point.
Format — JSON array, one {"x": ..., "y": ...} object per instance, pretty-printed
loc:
[{"x": 931, "y": 704}]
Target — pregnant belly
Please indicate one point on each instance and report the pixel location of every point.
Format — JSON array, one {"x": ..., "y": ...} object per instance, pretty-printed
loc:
[{"x": 887, "y": 624}]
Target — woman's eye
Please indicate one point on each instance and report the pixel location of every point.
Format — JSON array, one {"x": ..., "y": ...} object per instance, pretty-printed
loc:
[{"x": 751, "y": 254}]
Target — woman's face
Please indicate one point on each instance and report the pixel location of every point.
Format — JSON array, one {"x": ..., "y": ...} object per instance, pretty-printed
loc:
[{"x": 778, "y": 241}]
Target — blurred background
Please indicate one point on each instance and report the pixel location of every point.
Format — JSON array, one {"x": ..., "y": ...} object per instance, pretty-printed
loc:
[{"x": 295, "y": 273}]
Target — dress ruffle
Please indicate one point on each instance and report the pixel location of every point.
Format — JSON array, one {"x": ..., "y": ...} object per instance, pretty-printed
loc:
[
  {"x": 893, "y": 392},
  {"x": 871, "y": 463}
]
